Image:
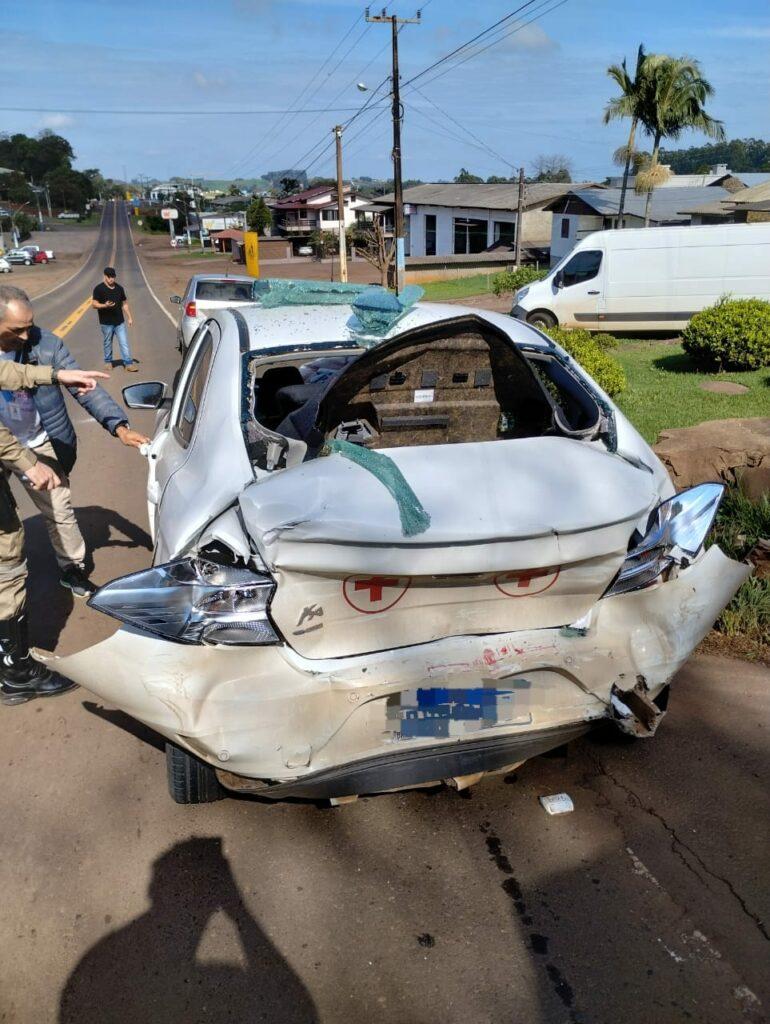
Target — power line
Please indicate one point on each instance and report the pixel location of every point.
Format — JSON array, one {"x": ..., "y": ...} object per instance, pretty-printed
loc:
[
  {"x": 445, "y": 113},
  {"x": 505, "y": 35},
  {"x": 176, "y": 113},
  {"x": 243, "y": 160},
  {"x": 469, "y": 42}
]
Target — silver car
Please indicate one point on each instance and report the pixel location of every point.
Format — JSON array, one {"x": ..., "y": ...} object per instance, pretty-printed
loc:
[
  {"x": 204, "y": 294},
  {"x": 396, "y": 548}
]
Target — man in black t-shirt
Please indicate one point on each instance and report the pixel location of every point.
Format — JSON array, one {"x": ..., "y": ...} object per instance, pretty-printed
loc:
[{"x": 110, "y": 301}]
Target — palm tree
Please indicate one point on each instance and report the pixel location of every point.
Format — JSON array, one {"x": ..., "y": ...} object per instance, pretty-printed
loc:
[
  {"x": 673, "y": 95},
  {"x": 628, "y": 104}
]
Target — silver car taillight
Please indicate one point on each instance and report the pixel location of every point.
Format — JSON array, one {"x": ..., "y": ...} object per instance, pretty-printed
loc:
[
  {"x": 193, "y": 601},
  {"x": 676, "y": 532}
]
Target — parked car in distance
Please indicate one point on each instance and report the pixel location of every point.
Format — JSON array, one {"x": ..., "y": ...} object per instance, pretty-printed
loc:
[
  {"x": 19, "y": 256},
  {"x": 395, "y": 546},
  {"x": 305, "y": 250},
  {"x": 5, "y": 266},
  {"x": 649, "y": 279},
  {"x": 204, "y": 294},
  {"x": 36, "y": 248},
  {"x": 68, "y": 215},
  {"x": 41, "y": 257}
]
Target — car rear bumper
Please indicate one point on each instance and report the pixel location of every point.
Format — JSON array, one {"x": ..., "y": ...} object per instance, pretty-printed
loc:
[{"x": 266, "y": 713}]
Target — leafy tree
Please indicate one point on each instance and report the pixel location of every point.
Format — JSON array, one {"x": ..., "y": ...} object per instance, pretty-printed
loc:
[
  {"x": 14, "y": 188},
  {"x": 258, "y": 216},
  {"x": 289, "y": 186},
  {"x": 35, "y": 157},
  {"x": 495, "y": 179},
  {"x": 68, "y": 189},
  {"x": 466, "y": 178},
  {"x": 747, "y": 155},
  {"x": 233, "y": 190},
  {"x": 627, "y": 105},
  {"x": 555, "y": 168},
  {"x": 673, "y": 101}
]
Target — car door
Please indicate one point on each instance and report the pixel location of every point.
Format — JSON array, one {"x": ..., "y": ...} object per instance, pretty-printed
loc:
[
  {"x": 198, "y": 460},
  {"x": 580, "y": 283}
]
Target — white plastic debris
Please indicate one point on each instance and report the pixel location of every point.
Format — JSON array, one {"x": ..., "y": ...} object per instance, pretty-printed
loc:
[{"x": 558, "y": 803}]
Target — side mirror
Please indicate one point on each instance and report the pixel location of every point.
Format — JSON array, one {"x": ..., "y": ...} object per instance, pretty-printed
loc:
[
  {"x": 559, "y": 280},
  {"x": 176, "y": 299},
  {"x": 149, "y": 395}
]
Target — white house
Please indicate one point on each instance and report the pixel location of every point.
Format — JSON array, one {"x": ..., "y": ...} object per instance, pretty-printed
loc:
[
  {"x": 463, "y": 220},
  {"x": 315, "y": 209}
]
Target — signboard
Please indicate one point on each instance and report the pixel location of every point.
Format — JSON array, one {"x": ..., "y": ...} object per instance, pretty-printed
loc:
[
  {"x": 251, "y": 250},
  {"x": 169, "y": 213}
]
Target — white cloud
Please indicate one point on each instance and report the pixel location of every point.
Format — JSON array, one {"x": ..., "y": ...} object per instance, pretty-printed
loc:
[
  {"x": 204, "y": 82},
  {"x": 56, "y": 121},
  {"x": 752, "y": 33},
  {"x": 529, "y": 38}
]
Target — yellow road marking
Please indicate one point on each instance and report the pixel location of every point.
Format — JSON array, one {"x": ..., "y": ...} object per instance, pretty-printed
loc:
[{"x": 66, "y": 325}]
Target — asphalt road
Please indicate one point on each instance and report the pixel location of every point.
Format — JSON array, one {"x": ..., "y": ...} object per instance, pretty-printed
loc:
[{"x": 649, "y": 902}]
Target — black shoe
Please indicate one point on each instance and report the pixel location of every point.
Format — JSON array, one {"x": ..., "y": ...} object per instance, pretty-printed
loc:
[
  {"x": 23, "y": 677},
  {"x": 74, "y": 579}
]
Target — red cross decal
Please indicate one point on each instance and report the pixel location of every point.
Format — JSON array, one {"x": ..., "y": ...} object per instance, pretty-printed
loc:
[
  {"x": 372, "y": 594},
  {"x": 522, "y": 580},
  {"x": 375, "y": 585}
]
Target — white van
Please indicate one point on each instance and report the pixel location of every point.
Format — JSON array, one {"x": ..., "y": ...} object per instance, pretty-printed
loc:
[{"x": 649, "y": 279}]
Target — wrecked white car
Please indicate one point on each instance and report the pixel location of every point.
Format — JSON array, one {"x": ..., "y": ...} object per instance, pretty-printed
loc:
[{"x": 393, "y": 548}]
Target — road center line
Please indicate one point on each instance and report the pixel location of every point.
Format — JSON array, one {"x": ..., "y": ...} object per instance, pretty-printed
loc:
[{"x": 66, "y": 325}]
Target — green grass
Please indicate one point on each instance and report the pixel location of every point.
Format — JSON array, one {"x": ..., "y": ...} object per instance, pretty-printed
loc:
[
  {"x": 663, "y": 389},
  {"x": 458, "y": 287},
  {"x": 91, "y": 221}
]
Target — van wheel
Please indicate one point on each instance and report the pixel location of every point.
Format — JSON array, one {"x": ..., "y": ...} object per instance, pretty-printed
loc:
[
  {"x": 27, "y": 263},
  {"x": 190, "y": 780},
  {"x": 542, "y": 318}
]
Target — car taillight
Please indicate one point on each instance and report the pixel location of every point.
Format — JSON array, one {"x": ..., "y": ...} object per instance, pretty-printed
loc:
[{"x": 190, "y": 309}]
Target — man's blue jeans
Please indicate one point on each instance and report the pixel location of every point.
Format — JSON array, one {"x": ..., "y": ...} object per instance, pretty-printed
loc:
[{"x": 110, "y": 332}]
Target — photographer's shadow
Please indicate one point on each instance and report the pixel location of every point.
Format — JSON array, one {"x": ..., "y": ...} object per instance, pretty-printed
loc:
[
  {"x": 50, "y": 605},
  {"x": 148, "y": 970}
]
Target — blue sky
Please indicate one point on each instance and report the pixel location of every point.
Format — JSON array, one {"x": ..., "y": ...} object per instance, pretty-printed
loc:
[{"x": 539, "y": 91}]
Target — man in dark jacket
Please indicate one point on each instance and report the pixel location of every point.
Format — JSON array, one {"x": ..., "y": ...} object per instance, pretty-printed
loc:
[{"x": 39, "y": 419}]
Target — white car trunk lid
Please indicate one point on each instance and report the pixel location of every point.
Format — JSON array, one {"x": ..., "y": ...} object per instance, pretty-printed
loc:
[{"x": 523, "y": 534}]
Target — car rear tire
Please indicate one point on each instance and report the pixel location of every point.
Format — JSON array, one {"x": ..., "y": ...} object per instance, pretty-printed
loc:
[
  {"x": 190, "y": 780},
  {"x": 542, "y": 319},
  {"x": 27, "y": 263}
]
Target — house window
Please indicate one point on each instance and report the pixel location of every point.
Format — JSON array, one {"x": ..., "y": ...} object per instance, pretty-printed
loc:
[
  {"x": 582, "y": 267},
  {"x": 565, "y": 227},
  {"x": 329, "y": 214},
  {"x": 430, "y": 234},
  {"x": 505, "y": 232},
  {"x": 470, "y": 235}
]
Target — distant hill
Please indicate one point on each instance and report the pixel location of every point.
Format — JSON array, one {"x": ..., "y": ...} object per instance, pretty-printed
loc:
[{"x": 740, "y": 155}]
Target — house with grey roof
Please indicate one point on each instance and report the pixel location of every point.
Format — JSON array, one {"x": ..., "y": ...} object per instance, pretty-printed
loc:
[
  {"x": 464, "y": 219},
  {"x": 583, "y": 211},
  {"x": 746, "y": 206}
]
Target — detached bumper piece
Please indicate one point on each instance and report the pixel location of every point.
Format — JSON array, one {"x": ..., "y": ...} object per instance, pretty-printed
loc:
[{"x": 636, "y": 713}]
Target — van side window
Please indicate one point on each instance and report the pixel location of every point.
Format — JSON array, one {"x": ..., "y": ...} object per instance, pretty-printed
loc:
[{"x": 582, "y": 267}]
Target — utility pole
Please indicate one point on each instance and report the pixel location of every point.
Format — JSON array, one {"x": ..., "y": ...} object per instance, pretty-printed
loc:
[
  {"x": 341, "y": 205},
  {"x": 519, "y": 220},
  {"x": 398, "y": 190}
]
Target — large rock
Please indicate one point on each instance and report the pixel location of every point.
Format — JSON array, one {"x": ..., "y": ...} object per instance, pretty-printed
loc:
[{"x": 727, "y": 450}]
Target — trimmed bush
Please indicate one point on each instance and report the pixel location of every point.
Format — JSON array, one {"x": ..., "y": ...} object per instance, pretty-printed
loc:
[
  {"x": 732, "y": 335},
  {"x": 591, "y": 352},
  {"x": 511, "y": 280}
]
